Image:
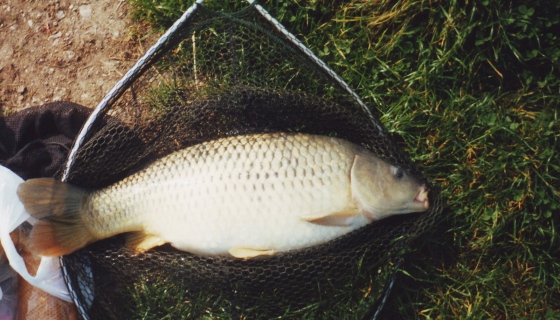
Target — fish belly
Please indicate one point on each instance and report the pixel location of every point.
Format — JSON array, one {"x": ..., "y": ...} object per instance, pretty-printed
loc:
[{"x": 240, "y": 192}]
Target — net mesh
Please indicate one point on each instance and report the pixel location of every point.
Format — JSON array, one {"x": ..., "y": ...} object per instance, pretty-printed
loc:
[{"x": 227, "y": 74}]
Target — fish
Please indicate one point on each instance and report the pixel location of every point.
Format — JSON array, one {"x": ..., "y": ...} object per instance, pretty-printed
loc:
[{"x": 243, "y": 196}]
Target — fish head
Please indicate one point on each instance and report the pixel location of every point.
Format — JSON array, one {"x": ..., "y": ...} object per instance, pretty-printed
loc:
[{"x": 381, "y": 189}]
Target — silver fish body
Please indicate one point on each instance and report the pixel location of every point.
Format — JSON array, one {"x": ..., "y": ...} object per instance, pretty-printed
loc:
[{"x": 244, "y": 195}]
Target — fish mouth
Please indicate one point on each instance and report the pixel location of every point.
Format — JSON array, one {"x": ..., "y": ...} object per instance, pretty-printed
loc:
[{"x": 422, "y": 197}]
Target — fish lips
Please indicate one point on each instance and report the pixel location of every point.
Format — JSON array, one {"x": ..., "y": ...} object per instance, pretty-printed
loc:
[{"x": 422, "y": 197}]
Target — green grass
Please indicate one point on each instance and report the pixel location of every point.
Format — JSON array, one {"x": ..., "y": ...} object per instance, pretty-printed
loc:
[{"x": 472, "y": 91}]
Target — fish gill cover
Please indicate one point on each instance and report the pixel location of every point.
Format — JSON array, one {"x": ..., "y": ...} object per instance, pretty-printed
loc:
[{"x": 224, "y": 74}]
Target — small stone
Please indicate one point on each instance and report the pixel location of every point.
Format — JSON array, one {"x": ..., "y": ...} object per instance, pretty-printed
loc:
[
  {"x": 56, "y": 35},
  {"x": 70, "y": 55},
  {"x": 60, "y": 91},
  {"x": 30, "y": 23},
  {"x": 85, "y": 11},
  {"x": 21, "y": 89},
  {"x": 60, "y": 15}
]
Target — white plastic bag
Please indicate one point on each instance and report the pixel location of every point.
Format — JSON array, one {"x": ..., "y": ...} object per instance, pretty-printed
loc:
[{"x": 12, "y": 213}]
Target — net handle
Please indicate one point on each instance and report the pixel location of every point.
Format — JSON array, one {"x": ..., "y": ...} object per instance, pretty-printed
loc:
[
  {"x": 124, "y": 83},
  {"x": 388, "y": 289}
]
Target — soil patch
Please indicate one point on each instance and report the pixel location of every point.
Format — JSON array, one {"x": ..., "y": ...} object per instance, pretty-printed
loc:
[{"x": 63, "y": 50}]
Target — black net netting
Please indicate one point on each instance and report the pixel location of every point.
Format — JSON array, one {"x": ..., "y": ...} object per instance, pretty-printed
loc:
[{"x": 224, "y": 74}]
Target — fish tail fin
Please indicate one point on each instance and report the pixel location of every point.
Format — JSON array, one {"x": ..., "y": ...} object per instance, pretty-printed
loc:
[{"x": 61, "y": 229}]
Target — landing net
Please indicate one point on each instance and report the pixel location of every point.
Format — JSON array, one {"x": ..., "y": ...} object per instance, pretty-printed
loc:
[{"x": 214, "y": 75}]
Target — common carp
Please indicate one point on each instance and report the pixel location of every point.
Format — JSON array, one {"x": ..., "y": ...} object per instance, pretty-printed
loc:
[{"x": 246, "y": 196}]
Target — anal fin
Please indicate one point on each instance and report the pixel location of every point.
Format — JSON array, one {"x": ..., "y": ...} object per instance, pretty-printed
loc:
[
  {"x": 141, "y": 242},
  {"x": 247, "y": 253}
]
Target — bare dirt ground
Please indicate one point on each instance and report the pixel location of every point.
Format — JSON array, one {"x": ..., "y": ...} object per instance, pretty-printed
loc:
[{"x": 71, "y": 50}]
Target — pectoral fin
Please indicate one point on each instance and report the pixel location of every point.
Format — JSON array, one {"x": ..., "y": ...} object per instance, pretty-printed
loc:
[
  {"x": 247, "y": 253},
  {"x": 141, "y": 242},
  {"x": 342, "y": 218}
]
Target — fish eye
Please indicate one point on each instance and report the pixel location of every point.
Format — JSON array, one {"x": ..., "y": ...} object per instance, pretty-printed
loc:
[{"x": 398, "y": 172}]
